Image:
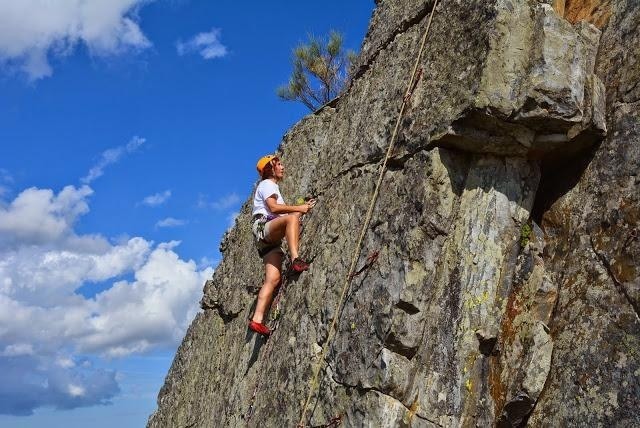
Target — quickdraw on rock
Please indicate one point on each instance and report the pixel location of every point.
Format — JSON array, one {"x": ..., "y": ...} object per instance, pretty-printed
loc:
[
  {"x": 371, "y": 259},
  {"x": 334, "y": 422},
  {"x": 407, "y": 97}
]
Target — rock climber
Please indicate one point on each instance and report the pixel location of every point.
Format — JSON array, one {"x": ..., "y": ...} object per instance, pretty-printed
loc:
[{"x": 272, "y": 221}]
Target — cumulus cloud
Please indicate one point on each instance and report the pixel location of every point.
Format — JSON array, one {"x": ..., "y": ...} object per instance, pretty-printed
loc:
[
  {"x": 170, "y": 222},
  {"x": 49, "y": 330},
  {"x": 157, "y": 199},
  {"x": 111, "y": 156},
  {"x": 207, "y": 44},
  {"x": 31, "y": 381},
  {"x": 155, "y": 308},
  {"x": 37, "y": 216},
  {"x": 33, "y": 31},
  {"x": 27, "y": 272}
]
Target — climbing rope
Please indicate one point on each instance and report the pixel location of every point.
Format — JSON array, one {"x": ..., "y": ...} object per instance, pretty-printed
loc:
[{"x": 365, "y": 226}]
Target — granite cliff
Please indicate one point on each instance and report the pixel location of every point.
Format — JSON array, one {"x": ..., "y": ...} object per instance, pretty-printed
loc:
[{"x": 506, "y": 291}]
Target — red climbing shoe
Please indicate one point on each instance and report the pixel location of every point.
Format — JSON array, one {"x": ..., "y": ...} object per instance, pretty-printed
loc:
[
  {"x": 299, "y": 265},
  {"x": 259, "y": 328}
]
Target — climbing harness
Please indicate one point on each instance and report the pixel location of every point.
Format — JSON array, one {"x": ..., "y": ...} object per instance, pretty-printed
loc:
[{"x": 415, "y": 75}]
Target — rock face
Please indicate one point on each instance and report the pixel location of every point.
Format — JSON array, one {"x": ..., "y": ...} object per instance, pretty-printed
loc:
[{"x": 506, "y": 291}]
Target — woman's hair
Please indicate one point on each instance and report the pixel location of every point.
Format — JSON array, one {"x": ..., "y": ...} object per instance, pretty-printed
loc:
[{"x": 267, "y": 171}]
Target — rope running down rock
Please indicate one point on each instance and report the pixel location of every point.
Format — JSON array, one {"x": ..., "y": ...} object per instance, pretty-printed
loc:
[{"x": 365, "y": 226}]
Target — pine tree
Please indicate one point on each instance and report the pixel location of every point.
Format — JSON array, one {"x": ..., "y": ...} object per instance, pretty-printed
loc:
[{"x": 320, "y": 71}]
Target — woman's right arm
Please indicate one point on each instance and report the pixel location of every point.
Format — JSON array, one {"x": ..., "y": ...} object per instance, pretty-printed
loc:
[{"x": 277, "y": 208}]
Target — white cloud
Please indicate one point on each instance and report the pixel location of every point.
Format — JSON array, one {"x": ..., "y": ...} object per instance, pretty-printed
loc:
[
  {"x": 31, "y": 31},
  {"x": 17, "y": 350},
  {"x": 220, "y": 204},
  {"x": 29, "y": 271},
  {"x": 37, "y": 215},
  {"x": 76, "y": 390},
  {"x": 206, "y": 262},
  {"x": 156, "y": 199},
  {"x": 33, "y": 381},
  {"x": 170, "y": 222},
  {"x": 111, "y": 156},
  {"x": 65, "y": 362},
  {"x": 48, "y": 327},
  {"x": 208, "y": 45},
  {"x": 155, "y": 308}
]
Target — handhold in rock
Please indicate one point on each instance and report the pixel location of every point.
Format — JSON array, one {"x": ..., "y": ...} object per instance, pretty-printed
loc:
[
  {"x": 516, "y": 411},
  {"x": 487, "y": 342}
]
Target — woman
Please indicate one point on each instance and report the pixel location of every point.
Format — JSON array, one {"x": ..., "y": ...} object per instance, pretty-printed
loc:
[{"x": 272, "y": 221}]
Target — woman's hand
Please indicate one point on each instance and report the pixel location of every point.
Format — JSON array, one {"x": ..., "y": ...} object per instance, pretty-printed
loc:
[{"x": 306, "y": 207}]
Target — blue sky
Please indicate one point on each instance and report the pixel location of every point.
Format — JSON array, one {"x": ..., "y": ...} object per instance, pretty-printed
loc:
[{"x": 129, "y": 133}]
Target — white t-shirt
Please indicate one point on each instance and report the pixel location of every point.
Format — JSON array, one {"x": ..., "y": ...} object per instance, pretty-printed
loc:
[{"x": 265, "y": 189}]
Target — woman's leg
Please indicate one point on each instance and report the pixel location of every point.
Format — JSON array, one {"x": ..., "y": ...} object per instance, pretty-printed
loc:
[
  {"x": 272, "y": 266},
  {"x": 286, "y": 226}
]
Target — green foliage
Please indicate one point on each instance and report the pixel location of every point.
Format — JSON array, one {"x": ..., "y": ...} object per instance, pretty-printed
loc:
[
  {"x": 320, "y": 71},
  {"x": 525, "y": 235}
]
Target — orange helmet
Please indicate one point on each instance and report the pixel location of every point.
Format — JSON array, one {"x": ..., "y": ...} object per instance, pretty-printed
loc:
[{"x": 263, "y": 162}]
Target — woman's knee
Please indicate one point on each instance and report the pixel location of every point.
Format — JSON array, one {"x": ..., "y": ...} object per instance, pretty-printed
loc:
[
  {"x": 293, "y": 218},
  {"x": 272, "y": 279}
]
